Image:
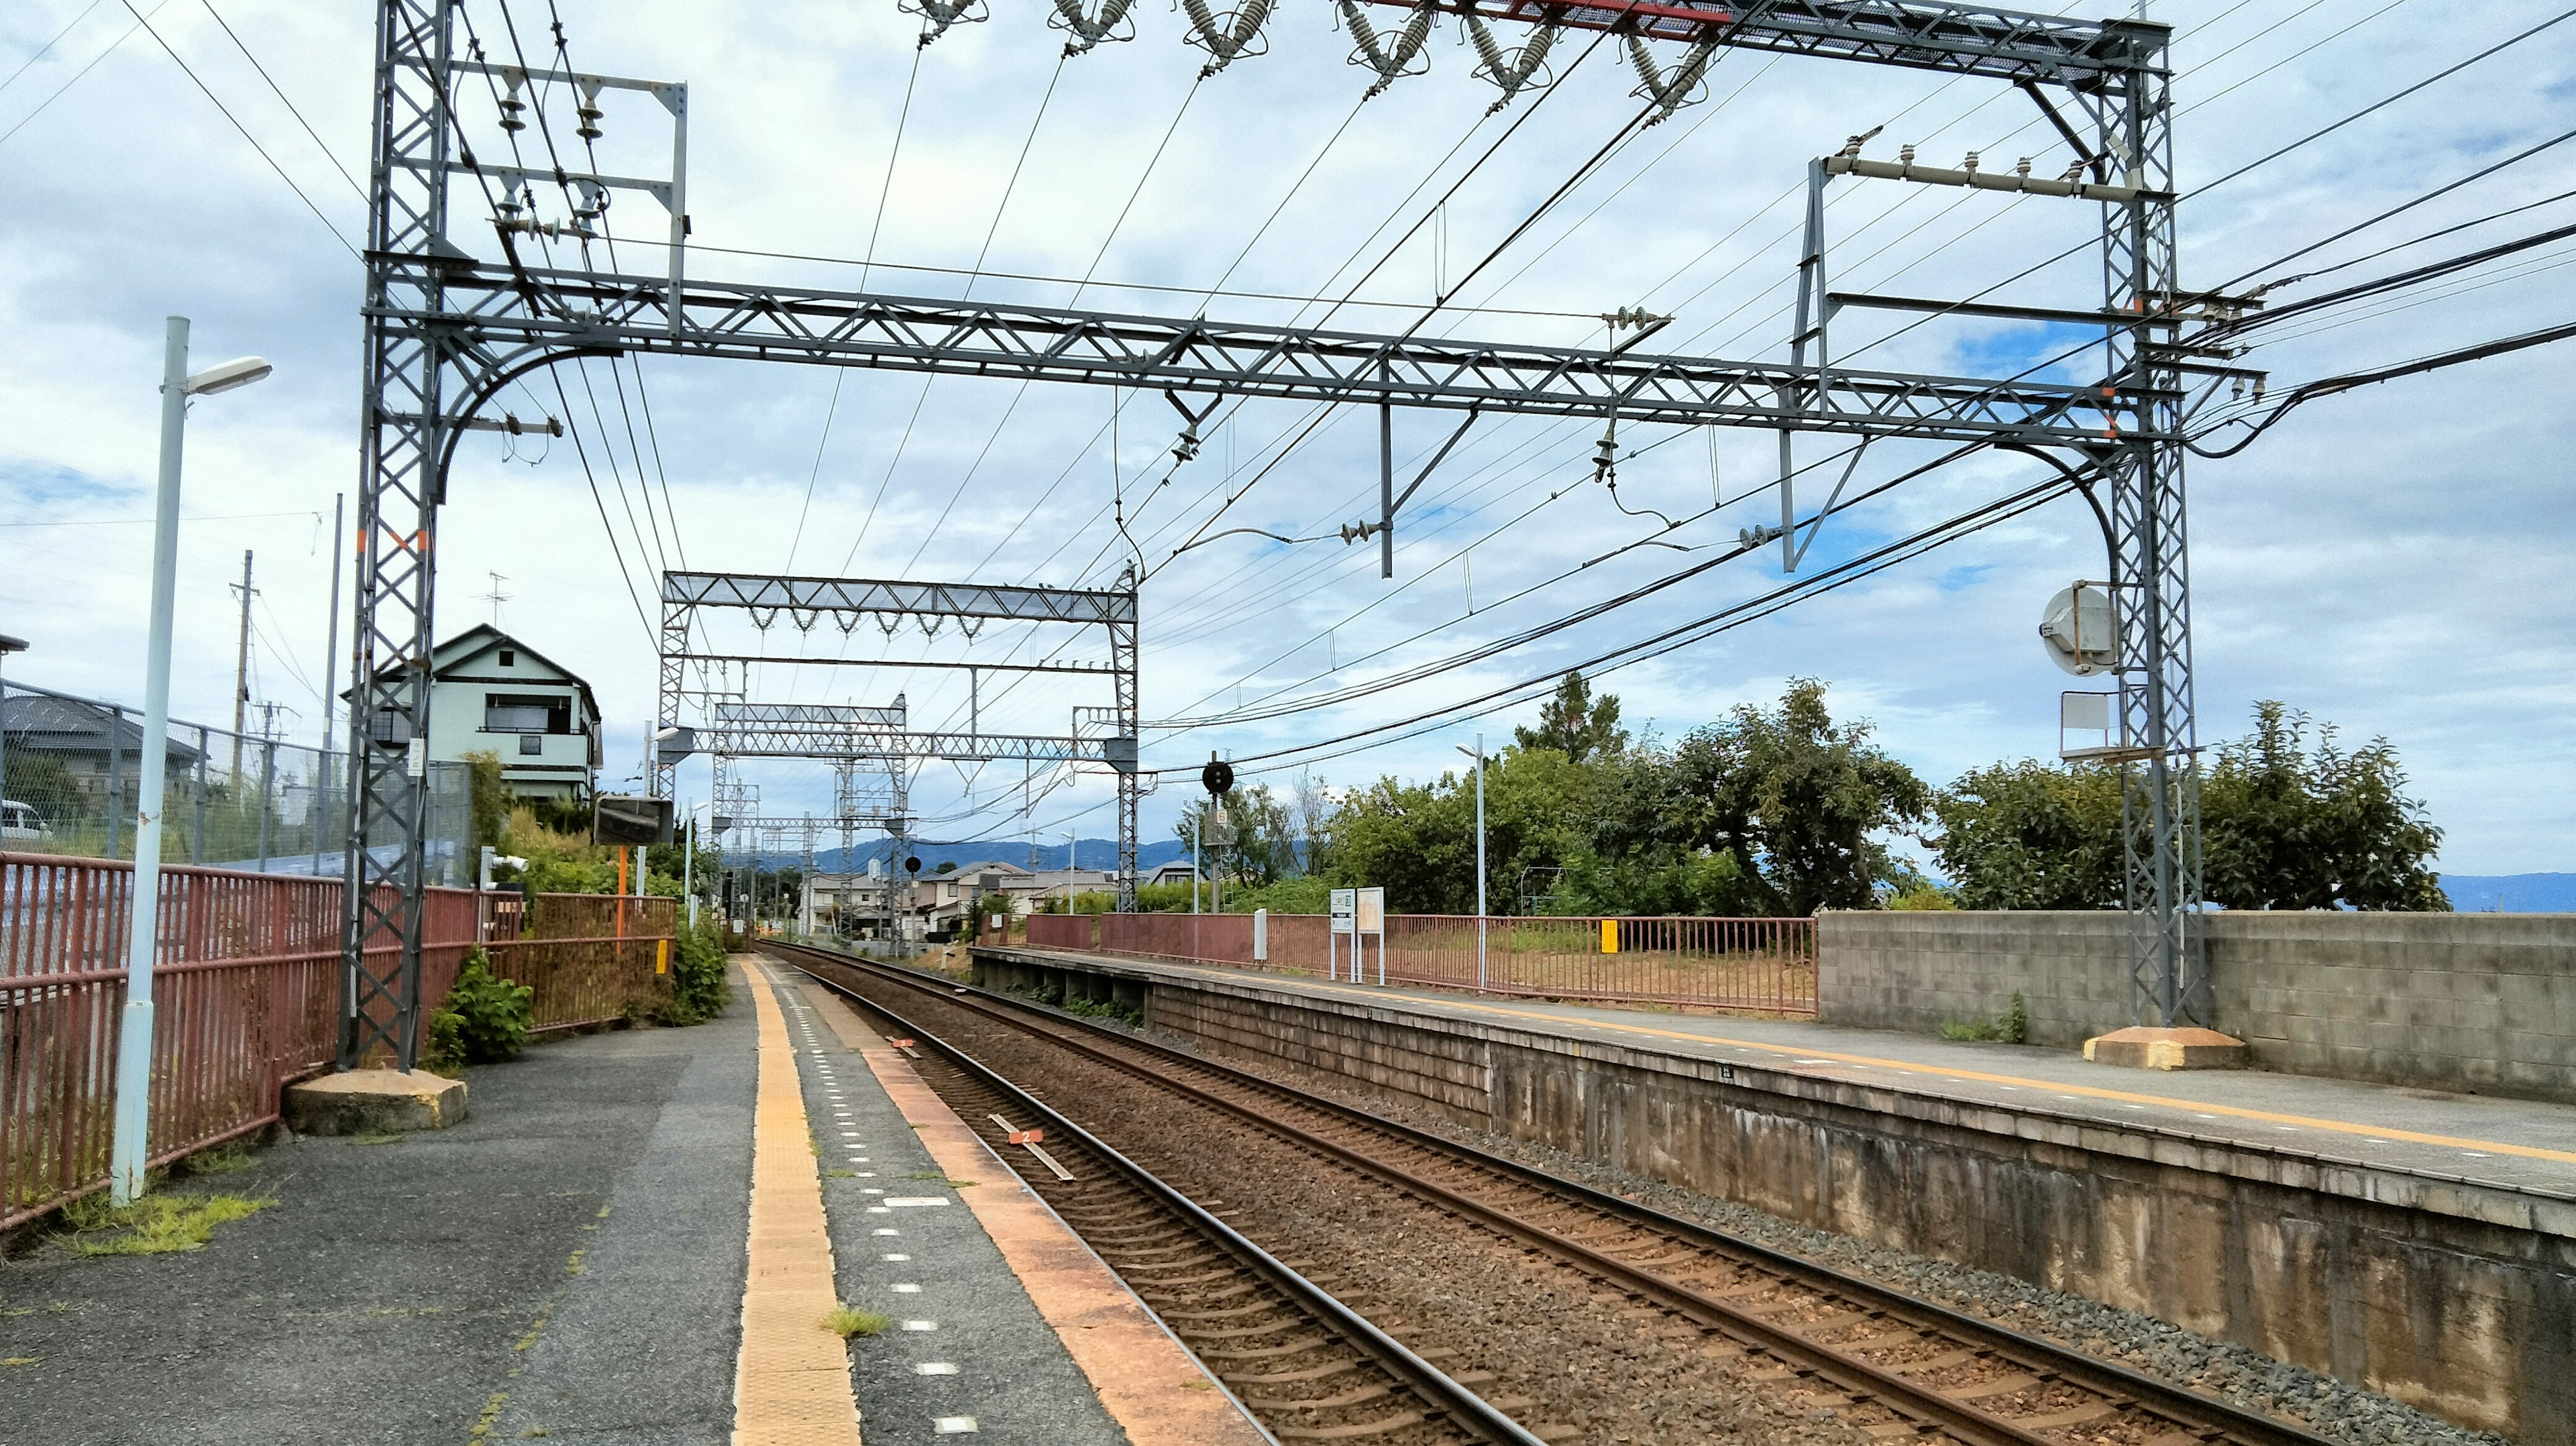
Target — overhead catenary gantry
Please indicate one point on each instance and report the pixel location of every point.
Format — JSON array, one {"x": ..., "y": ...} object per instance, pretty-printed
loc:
[
  {"x": 447, "y": 330},
  {"x": 1100, "y": 736}
]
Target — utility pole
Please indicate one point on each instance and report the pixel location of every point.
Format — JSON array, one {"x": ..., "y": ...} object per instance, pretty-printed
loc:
[{"x": 241, "y": 672}]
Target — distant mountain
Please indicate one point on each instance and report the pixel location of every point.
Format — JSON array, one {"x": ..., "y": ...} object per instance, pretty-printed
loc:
[
  {"x": 2511, "y": 893},
  {"x": 1090, "y": 853}
]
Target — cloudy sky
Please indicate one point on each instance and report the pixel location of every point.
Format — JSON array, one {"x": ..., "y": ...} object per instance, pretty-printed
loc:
[{"x": 2392, "y": 560}]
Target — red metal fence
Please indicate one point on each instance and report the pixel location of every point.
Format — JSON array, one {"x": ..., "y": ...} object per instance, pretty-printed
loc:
[
  {"x": 246, "y": 997},
  {"x": 1764, "y": 965}
]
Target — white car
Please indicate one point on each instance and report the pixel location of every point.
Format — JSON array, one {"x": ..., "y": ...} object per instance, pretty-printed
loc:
[{"x": 20, "y": 821}]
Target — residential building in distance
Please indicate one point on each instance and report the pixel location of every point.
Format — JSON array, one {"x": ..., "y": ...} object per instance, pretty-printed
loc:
[{"x": 490, "y": 692}]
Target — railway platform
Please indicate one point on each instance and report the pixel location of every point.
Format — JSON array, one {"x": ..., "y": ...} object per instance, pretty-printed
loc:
[
  {"x": 2327, "y": 1223},
  {"x": 633, "y": 1238},
  {"x": 2517, "y": 1146}
]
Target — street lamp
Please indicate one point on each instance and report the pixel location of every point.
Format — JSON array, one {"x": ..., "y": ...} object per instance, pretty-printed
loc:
[
  {"x": 1478, "y": 753},
  {"x": 130, "y": 1148}
]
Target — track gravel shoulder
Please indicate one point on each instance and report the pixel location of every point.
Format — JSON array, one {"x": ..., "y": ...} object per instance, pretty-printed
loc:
[{"x": 2233, "y": 1373}]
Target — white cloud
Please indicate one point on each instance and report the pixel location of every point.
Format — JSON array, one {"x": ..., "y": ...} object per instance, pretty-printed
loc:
[{"x": 2392, "y": 560}]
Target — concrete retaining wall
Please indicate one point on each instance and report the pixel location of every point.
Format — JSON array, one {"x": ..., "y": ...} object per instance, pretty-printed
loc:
[
  {"x": 2484, "y": 1003},
  {"x": 2458, "y": 1299}
]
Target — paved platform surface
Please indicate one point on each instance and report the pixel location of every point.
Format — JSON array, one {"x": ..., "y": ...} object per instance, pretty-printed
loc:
[
  {"x": 2513, "y": 1145},
  {"x": 568, "y": 1264},
  {"x": 568, "y": 1259}
]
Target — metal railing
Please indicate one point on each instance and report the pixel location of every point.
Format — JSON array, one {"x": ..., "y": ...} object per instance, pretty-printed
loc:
[
  {"x": 1755, "y": 965},
  {"x": 71, "y": 774},
  {"x": 246, "y": 989}
]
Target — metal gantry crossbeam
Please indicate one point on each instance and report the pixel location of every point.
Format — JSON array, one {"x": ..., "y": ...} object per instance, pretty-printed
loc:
[
  {"x": 446, "y": 332},
  {"x": 588, "y": 313},
  {"x": 850, "y": 734}
]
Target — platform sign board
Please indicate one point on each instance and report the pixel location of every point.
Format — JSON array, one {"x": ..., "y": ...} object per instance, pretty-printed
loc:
[{"x": 1358, "y": 914}]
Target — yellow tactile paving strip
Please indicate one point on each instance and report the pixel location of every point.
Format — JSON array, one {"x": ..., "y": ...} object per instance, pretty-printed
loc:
[
  {"x": 1155, "y": 1390},
  {"x": 1557, "y": 1024},
  {"x": 791, "y": 1384}
]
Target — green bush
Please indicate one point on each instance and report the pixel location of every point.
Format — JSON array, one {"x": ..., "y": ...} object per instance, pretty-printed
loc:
[
  {"x": 698, "y": 988},
  {"x": 484, "y": 1020}
]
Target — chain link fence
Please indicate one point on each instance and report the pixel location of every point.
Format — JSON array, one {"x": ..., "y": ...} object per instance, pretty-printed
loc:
[{"x": 71, "y": 771}]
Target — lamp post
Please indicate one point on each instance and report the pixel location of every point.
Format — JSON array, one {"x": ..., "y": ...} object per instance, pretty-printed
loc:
[
  {"x": 1478, "y": 753},
  {"x": 131, "y": 1147}
]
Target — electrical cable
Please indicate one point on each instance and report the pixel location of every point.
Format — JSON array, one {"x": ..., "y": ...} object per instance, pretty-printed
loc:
[
  {"x": 112, "y": 47},
  {"x": 237, "y": 125},
  {"x": 2329, "y": 386},
  {"x": 359, "y": 191},
  {"x": 47, "y": 48},
  {"x": 1698, "y": 630}
]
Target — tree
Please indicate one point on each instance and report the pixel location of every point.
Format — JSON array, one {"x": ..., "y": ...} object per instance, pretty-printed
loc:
[
  {"x": 487, "y": 797},
  {"x": 1575, "y": 724},
  {"x": 1260, "y": 844},
  {"x": 2284, "y": 827},
  {"x": 1794, "y": 800},
  {"x": 2032, "y": 835}
]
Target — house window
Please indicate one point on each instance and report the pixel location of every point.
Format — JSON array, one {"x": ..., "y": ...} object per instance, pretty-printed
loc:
[
  {"x": 526, "y": 713},
  {"x": 509, "y": 657},
  {"x": 530, "y": 743}
]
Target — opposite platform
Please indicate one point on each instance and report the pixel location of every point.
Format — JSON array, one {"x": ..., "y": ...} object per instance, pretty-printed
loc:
[{"x": 2417, "y": 1244}]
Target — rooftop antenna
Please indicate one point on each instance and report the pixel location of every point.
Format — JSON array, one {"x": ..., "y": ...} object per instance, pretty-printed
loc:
[{"x": 496, "y": 597}]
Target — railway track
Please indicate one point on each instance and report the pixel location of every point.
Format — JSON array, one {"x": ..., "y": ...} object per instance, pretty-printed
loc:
[
  {"x": 1910, "y": 1369},
  {"x": 1305, "y": 1364}
]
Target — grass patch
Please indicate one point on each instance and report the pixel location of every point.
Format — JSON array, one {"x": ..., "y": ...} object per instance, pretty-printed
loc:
[
  {"x": 2011, "y": 1027},
  {"x": 845, "y": 1322},
  {"x": 155, "y": 1224},
  {"x": 840, "y": 1174},
  {"x": 22, "y": 1360},
  {"x": 942, "y": 1179},
  {"x": 375, "y": 1138},
  {"x": 221, "y": 1160}
]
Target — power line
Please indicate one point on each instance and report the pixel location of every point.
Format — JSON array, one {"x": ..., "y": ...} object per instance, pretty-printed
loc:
[
  {"x": 47, "y": 48},
  {"x": 57, "y": 93},
  {"x": 355, "y": 189},
  {"x": 237, "y": 125}
]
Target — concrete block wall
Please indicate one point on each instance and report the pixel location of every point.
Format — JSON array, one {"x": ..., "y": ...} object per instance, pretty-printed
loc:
[{"x": 2484, "y": 1003}]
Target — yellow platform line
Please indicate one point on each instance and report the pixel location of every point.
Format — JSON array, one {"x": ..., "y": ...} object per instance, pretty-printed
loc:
[
  {"x": 2236, "y": 1112},
  {"x": 791, "y": 1384}
]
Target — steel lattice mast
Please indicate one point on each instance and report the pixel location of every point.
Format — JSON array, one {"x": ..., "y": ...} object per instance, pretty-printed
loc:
[{"x": 446, "y": 331}]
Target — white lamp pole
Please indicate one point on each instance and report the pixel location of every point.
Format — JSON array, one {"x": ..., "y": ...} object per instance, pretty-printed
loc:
[
  {"x": 1478, "y": 754},
  {"x": 130, "y": 1150}
]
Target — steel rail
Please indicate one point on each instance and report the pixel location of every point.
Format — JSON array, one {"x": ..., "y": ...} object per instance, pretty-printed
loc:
[
  {"x": 1432, "y": 1387},
  {"x": 2187, "y": 1411}
]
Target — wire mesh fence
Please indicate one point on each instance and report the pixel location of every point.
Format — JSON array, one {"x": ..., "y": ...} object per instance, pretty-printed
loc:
[
  {"x": 71, "y": 777},
  {"x": 1758, "y": 965}
]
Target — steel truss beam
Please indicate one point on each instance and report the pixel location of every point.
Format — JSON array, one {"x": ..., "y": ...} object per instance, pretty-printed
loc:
[
  {"x": 444, "y": 333},
  {"x": 1956, "y": 39},
  {"x": 589, "y": 313},
  {"x": 848, "y": 734}
]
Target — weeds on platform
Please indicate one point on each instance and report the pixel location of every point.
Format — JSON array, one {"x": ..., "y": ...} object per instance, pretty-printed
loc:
[
  {"x": 221, "y": 1160},
  {"x": 942, "y": 1179},
  {"x": 155, "y": 1224},
  {"x": 485, "y": 1020},
  {"x": 2012, "y": 1027},
  {"x": 845, "y": 1322}
]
